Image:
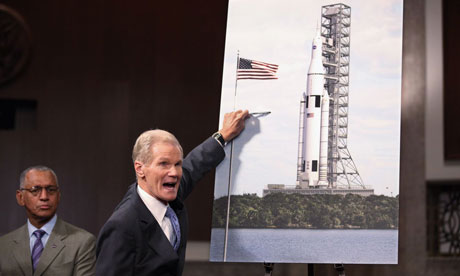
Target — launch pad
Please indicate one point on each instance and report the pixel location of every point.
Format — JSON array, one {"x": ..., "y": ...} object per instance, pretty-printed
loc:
[{"x": 295, "y": 189}]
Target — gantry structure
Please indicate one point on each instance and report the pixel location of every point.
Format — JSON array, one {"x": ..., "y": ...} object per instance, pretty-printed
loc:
[{"x": 335, "y": 30}]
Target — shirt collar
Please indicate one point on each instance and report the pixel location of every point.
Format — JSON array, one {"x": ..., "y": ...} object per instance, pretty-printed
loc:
[
  {"x": 48, "y": 227},
  {"x": 156, "y": 207}
]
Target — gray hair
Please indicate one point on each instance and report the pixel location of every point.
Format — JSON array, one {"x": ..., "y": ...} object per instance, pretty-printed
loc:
[
  {"x": 22, "y": 177},
  {"x": 143, "y": 146}
]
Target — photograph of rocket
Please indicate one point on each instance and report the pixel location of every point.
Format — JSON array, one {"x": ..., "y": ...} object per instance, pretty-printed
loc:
[{"x": 314, "y": 177}]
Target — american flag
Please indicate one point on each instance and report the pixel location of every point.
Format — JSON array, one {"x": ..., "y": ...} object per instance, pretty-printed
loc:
[{"x": 256, "y": 70}]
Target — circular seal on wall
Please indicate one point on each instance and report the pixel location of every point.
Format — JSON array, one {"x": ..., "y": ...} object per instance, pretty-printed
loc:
[{"x": 15, "y": 43}]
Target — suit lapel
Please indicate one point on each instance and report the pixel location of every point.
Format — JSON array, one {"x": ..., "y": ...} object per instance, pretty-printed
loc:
[
  {"x": 157, "y": 240},
  {"x": 53, "y": 247},
  {"x": 150, "y": 228},
  {"x": 21, "y": 251}
]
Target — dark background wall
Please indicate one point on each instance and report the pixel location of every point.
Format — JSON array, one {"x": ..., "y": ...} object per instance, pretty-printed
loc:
[{"x": 102, "y": 72}]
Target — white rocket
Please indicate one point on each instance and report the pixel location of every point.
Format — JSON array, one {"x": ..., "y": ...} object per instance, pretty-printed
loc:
[{"x": 314, "y": 124}]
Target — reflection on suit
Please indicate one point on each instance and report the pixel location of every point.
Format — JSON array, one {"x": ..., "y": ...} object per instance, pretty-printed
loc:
[
  {"x": 132, "y": 242},
  {"x": 69, "y": 251}
]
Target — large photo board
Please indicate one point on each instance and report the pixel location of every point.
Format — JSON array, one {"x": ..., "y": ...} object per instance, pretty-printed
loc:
[{"x": 314, "y": 177}]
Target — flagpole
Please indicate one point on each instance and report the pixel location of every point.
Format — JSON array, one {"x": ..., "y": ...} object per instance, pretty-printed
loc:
[{"x": 230, "y": 168}]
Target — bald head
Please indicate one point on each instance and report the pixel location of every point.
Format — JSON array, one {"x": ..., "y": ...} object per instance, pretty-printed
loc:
[{"x": 40, "y": 168}]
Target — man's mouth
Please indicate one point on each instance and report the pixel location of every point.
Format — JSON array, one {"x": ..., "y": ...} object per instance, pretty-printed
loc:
[{"x": 169, "y": 185}]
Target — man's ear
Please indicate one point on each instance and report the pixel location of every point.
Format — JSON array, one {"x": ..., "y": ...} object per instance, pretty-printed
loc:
[
  {"x": 20, "y": 198},
  {"x": 138, "y": 168}
]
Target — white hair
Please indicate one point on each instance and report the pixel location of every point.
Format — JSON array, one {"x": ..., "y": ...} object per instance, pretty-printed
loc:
[{"x": 142, "y": 150}]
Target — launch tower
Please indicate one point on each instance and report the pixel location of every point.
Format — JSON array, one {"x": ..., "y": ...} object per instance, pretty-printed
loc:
[
  {"x": 335, "y": 29},
  {"x": 324, "y": 163}
]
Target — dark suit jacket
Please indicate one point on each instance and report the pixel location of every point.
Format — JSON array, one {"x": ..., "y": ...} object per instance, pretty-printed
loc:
[
  {"x": 132, "y": 242},
  {"x": 69, "y": 251}
]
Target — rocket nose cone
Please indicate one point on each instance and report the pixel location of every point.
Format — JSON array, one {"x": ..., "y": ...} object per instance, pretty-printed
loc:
[
  {"x": 317, "y": 40},
  {"x": 316, "y": 48}
]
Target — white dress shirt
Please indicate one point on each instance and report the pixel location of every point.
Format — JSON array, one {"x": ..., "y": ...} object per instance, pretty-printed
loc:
[{"x": 158, "y": 210}]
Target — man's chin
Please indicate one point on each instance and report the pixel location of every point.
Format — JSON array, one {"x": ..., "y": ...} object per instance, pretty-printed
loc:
[
  {"x": 169, "y": 196},
  {"x": 43, "y": 218}
]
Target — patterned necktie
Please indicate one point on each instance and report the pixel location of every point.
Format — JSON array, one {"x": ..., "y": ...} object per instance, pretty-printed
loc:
[
  {"x": 38, "y": 247},
  {"x": 175, "y": 224}
]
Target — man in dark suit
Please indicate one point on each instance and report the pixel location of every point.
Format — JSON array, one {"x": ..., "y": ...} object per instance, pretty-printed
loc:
[
  {"x": 147, "y": 233},
  {"x": 45, "y": 245}
]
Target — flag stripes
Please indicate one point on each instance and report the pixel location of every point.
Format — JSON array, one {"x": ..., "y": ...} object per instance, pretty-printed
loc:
[{"x": 256, "y": 70}]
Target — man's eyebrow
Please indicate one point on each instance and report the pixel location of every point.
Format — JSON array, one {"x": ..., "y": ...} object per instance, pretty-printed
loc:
[
  {"x": 163, "y": 159},
  {"x": 167, "y": 159},
  {"x": 45, "y": 185}
]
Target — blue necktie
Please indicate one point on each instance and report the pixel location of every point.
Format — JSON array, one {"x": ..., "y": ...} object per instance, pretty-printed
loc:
[
  {"x": 175, "y": 225},
  {"x": 38, "y": 247}
]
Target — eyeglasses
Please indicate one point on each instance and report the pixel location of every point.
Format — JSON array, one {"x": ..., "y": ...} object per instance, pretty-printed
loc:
[{"x": 36, "y": 190}]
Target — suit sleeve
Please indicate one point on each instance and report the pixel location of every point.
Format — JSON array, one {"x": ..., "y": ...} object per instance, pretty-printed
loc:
[
  {"x": 86, "y": 257},
  {"x": 116, "y": 250},
  {"x": 198, "y": 162}
]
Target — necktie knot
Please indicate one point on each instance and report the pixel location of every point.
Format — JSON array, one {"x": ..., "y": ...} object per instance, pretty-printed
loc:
[
  {"x": 169, "y": 212},
  {"x": 39, "y": 233},
  {"x": 175, "y": 225}
]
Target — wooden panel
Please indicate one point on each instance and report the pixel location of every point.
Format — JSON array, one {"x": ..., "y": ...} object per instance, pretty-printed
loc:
[
  {"x": 101, "y": 73},
  {"x": 451, "y": 40}
]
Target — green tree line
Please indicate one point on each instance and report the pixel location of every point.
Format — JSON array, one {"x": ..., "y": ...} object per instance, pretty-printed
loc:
[{"x": 323, "y": 211}]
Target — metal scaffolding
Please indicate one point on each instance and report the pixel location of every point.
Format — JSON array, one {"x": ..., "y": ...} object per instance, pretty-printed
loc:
[{"x": 335, "y": 30}]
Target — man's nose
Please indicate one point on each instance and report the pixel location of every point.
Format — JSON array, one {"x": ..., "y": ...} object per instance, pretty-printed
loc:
[
  {"x": 174, "y": 171},
  {"x": 44, "y": 194}
]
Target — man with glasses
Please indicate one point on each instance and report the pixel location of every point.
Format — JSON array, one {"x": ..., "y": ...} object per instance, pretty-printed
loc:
[{"x": 45, "y": 245}]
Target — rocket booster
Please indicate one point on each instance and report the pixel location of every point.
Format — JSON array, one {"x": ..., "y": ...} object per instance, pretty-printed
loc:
[{"x": 312, "y": 167}]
